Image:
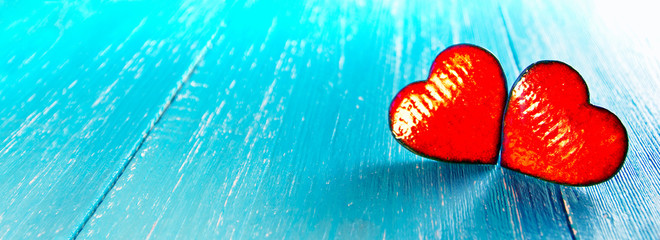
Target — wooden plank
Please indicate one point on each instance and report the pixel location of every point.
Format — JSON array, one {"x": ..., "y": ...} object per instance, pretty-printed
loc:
[
  {"x": 615, "y": 50},
  {"x": 283, "y": 133},
  {"x": 80, "y": 86}
]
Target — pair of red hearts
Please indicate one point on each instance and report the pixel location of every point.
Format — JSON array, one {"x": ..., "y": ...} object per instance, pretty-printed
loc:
[{"x": 550, "y": 131}]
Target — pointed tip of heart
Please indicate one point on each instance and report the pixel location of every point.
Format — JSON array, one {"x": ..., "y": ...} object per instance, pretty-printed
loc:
[
  {"x": 552, "y": 132},
  {"x": 455, "y": 115}
]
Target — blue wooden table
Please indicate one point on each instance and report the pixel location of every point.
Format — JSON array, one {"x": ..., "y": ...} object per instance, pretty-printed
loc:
[{"x": 265, "y": 119}]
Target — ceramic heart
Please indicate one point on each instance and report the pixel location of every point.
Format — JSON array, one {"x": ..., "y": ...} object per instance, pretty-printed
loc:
[
  {"x": 552, "y": 132},
  {"x": 456, "y": 114}
]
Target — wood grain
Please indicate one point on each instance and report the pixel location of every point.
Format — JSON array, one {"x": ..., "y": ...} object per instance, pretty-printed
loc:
[
  {"x": 80, "y": 86},
  {"x": 615, "y": 50},
  {"x": 264, "y": 119},
  {"x": 283, "y": 133}
]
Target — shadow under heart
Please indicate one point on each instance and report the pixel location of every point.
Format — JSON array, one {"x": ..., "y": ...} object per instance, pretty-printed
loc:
[{"x": 401, "y": 199}]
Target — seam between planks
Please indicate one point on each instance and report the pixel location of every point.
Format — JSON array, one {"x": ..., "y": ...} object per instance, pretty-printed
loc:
[
  {"x": 566, "y": 211},
  {"x": 173, "y": 94},
  {"x": 514, "y": 54}
]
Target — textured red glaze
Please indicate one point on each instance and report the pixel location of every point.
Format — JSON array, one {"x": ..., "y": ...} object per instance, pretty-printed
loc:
[
  {"x": 456, "y": 114},
  {"x": 553, "y": 133}
]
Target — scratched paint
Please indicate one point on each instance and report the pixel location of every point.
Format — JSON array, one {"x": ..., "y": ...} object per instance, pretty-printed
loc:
[
  {"x": 622, "y": 79},
  {"x": 79, "y": 90},
  {"x": 290, "y": 140},
  {"x": 280, "y": 129}
]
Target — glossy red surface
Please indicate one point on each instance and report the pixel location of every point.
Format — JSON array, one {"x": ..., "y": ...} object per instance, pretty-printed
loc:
[
  {"x": 553, "y": 133},
  {"x": 456, "y": 114}
]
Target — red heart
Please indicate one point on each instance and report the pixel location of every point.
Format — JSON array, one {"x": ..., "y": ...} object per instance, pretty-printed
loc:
[
  {"x": 552, "y": 132},
  {"x": 455, "y": 115}
]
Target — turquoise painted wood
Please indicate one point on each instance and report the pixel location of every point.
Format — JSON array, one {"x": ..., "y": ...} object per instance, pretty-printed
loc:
[
  {"x": 283, "y": 133},
  {"x": 80, "y": 85},
  {"x": 264, "y": 119},
  {"x": 617, "y": 53}
]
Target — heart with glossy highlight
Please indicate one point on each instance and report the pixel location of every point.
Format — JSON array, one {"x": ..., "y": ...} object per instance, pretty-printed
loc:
[
  {"x": 552, "y": 132},
  {"x": 456, "y": 114}
]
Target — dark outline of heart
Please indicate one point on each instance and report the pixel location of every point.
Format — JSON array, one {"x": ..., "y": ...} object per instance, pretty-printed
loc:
[
  {"x": 587, "y": 103},
  {"x": 501, "y": 125}
]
